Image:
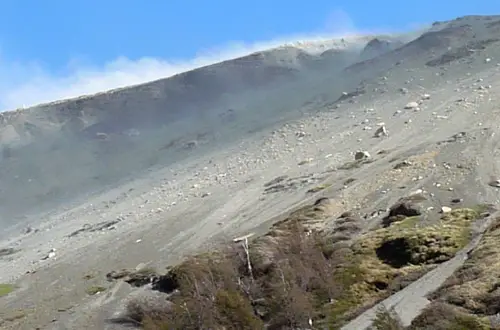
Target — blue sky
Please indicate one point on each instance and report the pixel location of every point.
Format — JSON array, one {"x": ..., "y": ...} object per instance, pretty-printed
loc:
[{"x": 62, "y": 48}]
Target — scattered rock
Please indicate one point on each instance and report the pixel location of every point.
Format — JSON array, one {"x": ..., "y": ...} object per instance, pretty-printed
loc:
[
  {"x": 445, "y": 209},
  {"x": 285, "y": 183},
  {"x": 350, "y": 95},
  {"x": 305, "y": 161},
  {"x": 349, "y": 181},
  {"x": 322, "y": 201},
  {"x": 50, "y": 255},
  {"x": 191, "y": 144},
  {"x": 96, "y": 227},
  {"x": 300, "y": 134},
  {"x": 412, "y": 105},
  {"x": 495, "y": 183},
  {"x": 381, "y": 131},
  {"x": 361, "y": 155},
  {"x": 29, "y": 230},
  {"x": 276, "y": 180},
  {"x": 135, "y": 278},
  {"x": 7, "y": 252},
  {"x": 404, "y": 163}
]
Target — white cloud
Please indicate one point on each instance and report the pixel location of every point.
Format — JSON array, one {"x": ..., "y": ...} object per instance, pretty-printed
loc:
[{"x": 27, "y": 84}]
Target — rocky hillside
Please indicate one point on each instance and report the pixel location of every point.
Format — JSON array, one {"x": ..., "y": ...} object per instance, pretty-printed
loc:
[
  {"x": 64, "y": 150},
  {"x": 282, "y": 189}
]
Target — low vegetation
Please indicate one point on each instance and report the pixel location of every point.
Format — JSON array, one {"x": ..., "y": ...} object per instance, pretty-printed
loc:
[
  {"x": 93, "y": 290},
  {"x": 474, "y": 290},
  {"x": 301, "y": 273},
  {"x": 387, "y": 320},
  {"x": 438, "y": 316},
  {"x": 5, "y": 289}
]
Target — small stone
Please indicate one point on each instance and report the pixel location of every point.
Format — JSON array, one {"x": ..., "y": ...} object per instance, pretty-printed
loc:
[
  {"x": 411, "y": 105},
  {"x": 381, "y": 131},
  {"x": 416, "y": 192},
  {"x": 446, "y": 209},
  {"x": 495, "y": 183}
]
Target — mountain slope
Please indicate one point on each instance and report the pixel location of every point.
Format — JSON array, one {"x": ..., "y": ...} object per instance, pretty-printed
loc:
[
  {"x": 298, "y": 145},
  {"x": 82, "y": 144}
]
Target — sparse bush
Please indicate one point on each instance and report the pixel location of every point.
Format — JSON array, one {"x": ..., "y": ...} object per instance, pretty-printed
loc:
[
  {"x": 283, "y": 280},
  {"x": 387, "y": 320},
  {"x": 440, "y": 316}
]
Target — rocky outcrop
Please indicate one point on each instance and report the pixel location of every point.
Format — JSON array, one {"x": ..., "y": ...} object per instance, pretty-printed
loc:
[{"x": 377, "y": 47}]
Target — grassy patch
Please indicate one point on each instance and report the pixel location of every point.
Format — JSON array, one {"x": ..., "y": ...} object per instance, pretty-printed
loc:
[
  {"x": 5, "y": 289},
  {"x": 296, "y": 273},
  {"x": 95, "y": 289},
  {"x": 387, "y": 259},
  {"x": 475, "y": 287}
]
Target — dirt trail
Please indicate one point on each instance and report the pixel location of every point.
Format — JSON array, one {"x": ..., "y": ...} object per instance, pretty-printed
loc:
[{"x": 409, "y": 302}]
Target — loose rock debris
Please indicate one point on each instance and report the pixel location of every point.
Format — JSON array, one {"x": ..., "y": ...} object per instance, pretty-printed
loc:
[
  {"x": 285, "y": 183},
  {"x": 105, "y": 225}
]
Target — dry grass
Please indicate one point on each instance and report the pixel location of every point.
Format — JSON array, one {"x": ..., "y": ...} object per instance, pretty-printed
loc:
[
  {"x": 438, "y": 316},
  {"x": 387, "y": 320},
  {"x": 296, "y": 274},
  {"x": 475, "y": 287}
]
